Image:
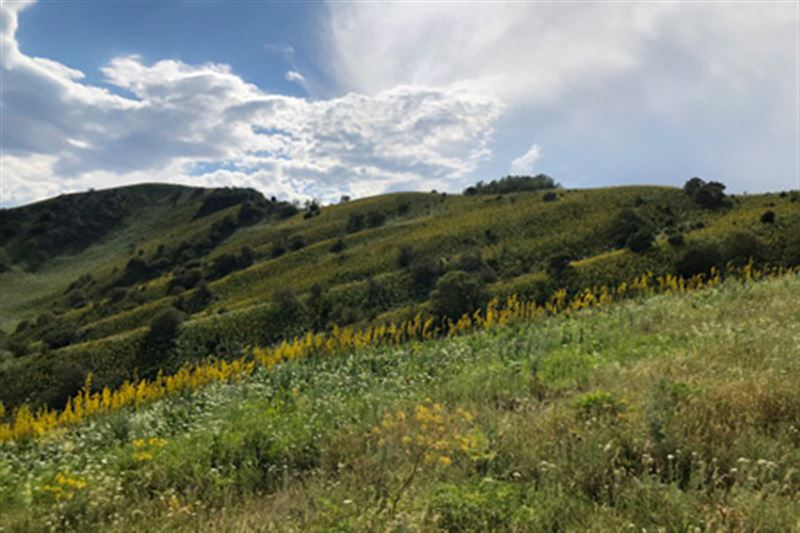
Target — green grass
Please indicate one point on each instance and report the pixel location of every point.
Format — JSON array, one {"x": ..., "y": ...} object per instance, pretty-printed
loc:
[{"x": 675, "y": 413}]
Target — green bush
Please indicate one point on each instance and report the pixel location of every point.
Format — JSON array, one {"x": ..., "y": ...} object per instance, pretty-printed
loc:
[
  {"x": 458, "y": 292},
  {"x": 698, "y": 259}
]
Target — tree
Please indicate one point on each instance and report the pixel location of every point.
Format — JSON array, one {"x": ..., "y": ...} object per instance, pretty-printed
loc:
[{"x": 458, "y": 292}]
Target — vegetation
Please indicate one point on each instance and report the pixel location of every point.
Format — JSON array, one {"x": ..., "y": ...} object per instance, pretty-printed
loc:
[
  {"x": 223, "y": 264},
  {"x": 605, "y": 418},
  {"x": 511, "y": 184}
]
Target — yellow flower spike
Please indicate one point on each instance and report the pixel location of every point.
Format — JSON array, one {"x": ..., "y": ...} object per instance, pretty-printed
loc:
[{"x": 445, "y": 460}]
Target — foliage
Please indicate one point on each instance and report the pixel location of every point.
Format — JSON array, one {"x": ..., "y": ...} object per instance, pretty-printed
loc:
[
  {"x": 510, "y": 184},
  {"x": 458, "y": 292}
]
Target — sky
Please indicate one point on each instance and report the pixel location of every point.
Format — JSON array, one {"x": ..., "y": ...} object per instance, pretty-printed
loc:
[{"x": 318, "y": 100}]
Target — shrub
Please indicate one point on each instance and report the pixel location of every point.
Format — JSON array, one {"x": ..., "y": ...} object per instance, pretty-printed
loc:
[
  {"x": 559, "y": 265},
  {"x": 740, "y": 247},
  {"x": 62, "y": 335},
  {"x": 627, "y": 224},
  {"x": 698, "y": 259},
  {"x": 458, "y": 292},
  {"x": 375, "y": 219},
  {"x": 355, "y": 222},
  {"x": 69, "y": 378},
  {"x": 277, "y": 250},
  {"x": 549, "y": 197},
  {"x": 768, "y": 217},
  {"x": 298, "y": 242},
  {"x": 707, "y": 195},
  {"x": 424, "y": 273},
  {"x": 159, "y": 342},
  {"x": 511, "y": 184},
  {"x": 641, "y": 241},
  {"x": 405, "y": 256},
  {"x": 676, "y": 240},
  {"x": 337, "y": 247},
  {"x": 471, "y": 262},
  {"x": 692, "y": 185}
]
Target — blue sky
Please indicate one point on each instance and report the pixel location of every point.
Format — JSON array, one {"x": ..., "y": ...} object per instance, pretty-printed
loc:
[{"x": 317, "y": 100}]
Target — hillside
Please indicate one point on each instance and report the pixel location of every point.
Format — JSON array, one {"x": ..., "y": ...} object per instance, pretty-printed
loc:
[
  {"x": 127, "y": 282},
  {"x": 677, "y": 412}
]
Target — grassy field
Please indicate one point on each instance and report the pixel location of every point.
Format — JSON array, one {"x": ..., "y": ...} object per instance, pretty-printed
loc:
[
  {"x": 53, "y": 335},
  {"x": 674, "y": 413}
]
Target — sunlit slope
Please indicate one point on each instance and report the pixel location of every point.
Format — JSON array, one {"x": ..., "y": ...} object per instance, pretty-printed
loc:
[
  {"x": 354, "y": 268},
  {"x": 677, "y": 412}
]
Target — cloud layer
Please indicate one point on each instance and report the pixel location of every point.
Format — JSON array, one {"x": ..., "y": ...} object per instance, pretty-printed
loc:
[
  {"x": 630, "y": 90},
  {"x": 203, "y": 124},
  {"x": 429, "y": 96}
]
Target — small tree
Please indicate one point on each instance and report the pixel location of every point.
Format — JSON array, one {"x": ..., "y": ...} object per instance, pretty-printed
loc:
[{"x": 458, "y": 292}]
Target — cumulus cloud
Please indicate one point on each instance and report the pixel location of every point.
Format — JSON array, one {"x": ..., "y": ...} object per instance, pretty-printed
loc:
[
  {"x": 525, "y": 163},
  {"x": 203, "y": 124},
  {"x": 631, "y": 90}
]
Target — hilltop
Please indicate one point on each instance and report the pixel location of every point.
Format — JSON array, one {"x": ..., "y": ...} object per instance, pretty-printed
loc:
[{"x": 126, "y": 282}]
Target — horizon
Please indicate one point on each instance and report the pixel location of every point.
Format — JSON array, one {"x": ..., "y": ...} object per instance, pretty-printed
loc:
[{"x": 319, "y": 100}]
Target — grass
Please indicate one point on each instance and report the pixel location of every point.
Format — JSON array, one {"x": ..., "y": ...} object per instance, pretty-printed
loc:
[{"x": 674, "y": 413}]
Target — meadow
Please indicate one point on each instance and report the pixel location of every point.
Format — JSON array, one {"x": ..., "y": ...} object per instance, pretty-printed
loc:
[{"x": 677, "y": 411}]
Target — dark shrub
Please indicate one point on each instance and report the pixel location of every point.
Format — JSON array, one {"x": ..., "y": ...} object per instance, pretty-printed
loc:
[
  {"x": 250, "y": 214},
  {"x": 692, "y": 185},
  {"x": 298, "y": 242},
  {"x": 189, "y": 278},
  {"x": 219, "y": 199},
  {"x": 550, "y": 196},
  {"x": 698, "y": 259},
  {"x": 375, "y": 219},
  {"x": 18, "y": 347},
  {"x": 627, "y": 224},
  {"x": 277, "y": 250},
  {"x": 676, "y": 240},
  {"x": 318, "y": 307},
  {"x": 159, "y": 342},
  {"x": 287, "y": 211},
  {"x": 337, "y": 247},
  {"x": 405, "y": 256},
  {"x": 641, "y": 241},
  {"x": 488, "y": 274},
  {"x": 77, "y": 299},
  {"x": 69, "y": 379},
  {"x": 59, "y": 337},
  {"x": 740, "y": 247},
  {"x": 355, "y": 222},
  {"x": 223, "y": 265},
  {"x": 291, "y": 310},
  {"x": 711, "y": 195},
  {"x": 424, "y": 273},
  {"x": 559, "y": 266},
  {"x": 768, "y": 217},
  {"x": 458, "y": 292},
  {"x": 511, "y": 184},
  {"x": 377, "y": 294},
  {"x": 471, "y": 262}
]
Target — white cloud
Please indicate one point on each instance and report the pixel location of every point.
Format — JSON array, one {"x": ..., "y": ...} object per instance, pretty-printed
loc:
[
  {"x": 203, "y": 124},
  {"x": 295, "y": 76},
  {"x": 525, "y": 164},
  {"x": 701, "y": 81}
]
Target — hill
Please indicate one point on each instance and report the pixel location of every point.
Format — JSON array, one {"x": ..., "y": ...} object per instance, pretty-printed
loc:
[
  {"x": 137, "y": 280},
  {"x": 679, "y": 411}
]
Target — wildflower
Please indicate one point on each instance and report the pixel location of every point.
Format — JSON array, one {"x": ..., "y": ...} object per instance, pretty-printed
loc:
[{"x": 446, "y": 461}]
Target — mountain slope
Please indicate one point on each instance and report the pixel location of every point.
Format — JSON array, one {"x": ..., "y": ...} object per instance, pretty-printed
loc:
[{"x": 245, "y": 270}]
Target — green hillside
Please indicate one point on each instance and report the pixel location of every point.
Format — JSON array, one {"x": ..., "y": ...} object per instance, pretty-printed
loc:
[
  {"x": 130, "y": 281},
  {"x": 677, "y": 413}
]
